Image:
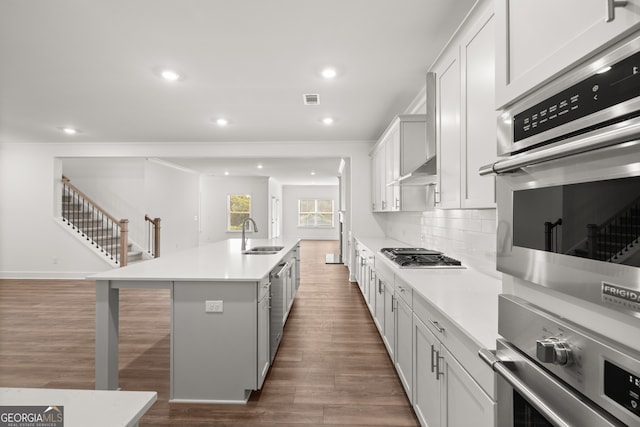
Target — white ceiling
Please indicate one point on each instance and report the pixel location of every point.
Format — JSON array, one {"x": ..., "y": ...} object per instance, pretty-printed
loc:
[{"x": 94, "y": 65}]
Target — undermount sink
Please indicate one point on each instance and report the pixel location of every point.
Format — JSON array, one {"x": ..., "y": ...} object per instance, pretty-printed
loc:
[{"x": 263, "y": 250}]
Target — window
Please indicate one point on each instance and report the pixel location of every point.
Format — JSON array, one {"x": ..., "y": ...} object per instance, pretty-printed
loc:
[
  {"x": 315, "y": 213},
  {"x": 238, "y": 209}
]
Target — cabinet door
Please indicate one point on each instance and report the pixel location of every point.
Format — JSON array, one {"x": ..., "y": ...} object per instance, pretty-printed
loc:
[
  {"x": 358, "y": 261},
  {"x": 448, "y": 129},
  {"x": 290, "y": 287},
  {"x": 362, "y": 277},
  {"x": 389, "y": 320},
  {"x": 379, "y": 305},
  {"x": 478, "y": 113},
  {"x": 392, "y": 144},
  {"x": 365, "y": 280},
  {"x": 426, "y": 387},
  {"x": 377, "y": 179},
  {"x": 404, "y": 345},
  {"x": 264, "y": 346},
  {"x": 465, "y": 404},
  {"x": 372, "y": 290},
  {"x": 413, "y": 145},
  {"x": 537, "y": 39}
]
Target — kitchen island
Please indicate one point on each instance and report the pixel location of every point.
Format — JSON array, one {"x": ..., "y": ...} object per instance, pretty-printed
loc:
[{"x": 219, "y": 317}]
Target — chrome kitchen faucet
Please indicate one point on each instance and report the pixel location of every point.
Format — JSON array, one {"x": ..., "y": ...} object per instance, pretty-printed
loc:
[{"x": 244, "y": 239}]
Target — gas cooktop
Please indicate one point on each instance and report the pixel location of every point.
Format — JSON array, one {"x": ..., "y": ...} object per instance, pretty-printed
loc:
[{"x": 420, "y": 258}]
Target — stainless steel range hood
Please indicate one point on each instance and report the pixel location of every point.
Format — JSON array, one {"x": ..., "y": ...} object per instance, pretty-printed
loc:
[{"x": 426, "y": 173}]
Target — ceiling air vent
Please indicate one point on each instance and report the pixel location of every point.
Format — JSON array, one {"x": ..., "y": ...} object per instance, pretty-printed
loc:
[{"x": 311, "y": 99}]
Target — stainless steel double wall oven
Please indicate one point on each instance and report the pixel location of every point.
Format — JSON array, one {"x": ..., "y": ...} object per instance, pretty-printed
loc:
[{"x": 568, "y": 196}]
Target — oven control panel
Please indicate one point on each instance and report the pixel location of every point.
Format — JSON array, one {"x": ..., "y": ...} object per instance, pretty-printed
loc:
[
  {"x": 605, "y": 372},
  {"x": 610, "y": 86},
  {"x": 622, "y": 386}
]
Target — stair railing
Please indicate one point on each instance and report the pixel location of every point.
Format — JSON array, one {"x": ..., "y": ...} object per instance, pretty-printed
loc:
[
  {"x": 153, "y": 233},
  {"x": 109, "y": 234},
  {"x": 617, "y": 235}
]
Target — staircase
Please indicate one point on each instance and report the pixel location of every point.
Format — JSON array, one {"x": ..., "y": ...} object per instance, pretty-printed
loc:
[
  {"x": 615, "y": 240},
  {"x": 98, "y": 227}
]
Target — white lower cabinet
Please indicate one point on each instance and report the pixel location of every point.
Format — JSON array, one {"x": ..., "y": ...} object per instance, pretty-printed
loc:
[
  {"x": 426, "y": 384},
  {"x": 404, "y": 343},
  {"x": 444, "y": 394},
  {"x": 379, "y": 303},
  {"x": 427, "y": 349},
  {"x": 264, "y": 344},
  {"x": 389, "y": 323},
  {"x": 371, "y": 290},
  {"x": 464, "y": 403}
]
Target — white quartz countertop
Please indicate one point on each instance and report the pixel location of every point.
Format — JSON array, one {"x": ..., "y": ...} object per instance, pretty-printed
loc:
[
  {"x": 81, "y": 408},
  {"x": 219, "y": 261},
  {"x": 467, "y": 297}
]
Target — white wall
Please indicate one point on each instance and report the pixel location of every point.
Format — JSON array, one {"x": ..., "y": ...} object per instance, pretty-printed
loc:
[
  {"x": 33, "y": 244},
  {"x": 213, "y": 193},
  {"x": 173, "y": 196},
  {"x": 291, "y": 194},
  {"x": 134, "y": 187}
]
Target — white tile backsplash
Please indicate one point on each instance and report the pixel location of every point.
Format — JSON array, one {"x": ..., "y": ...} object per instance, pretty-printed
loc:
[{"x": 466, "y": 234}]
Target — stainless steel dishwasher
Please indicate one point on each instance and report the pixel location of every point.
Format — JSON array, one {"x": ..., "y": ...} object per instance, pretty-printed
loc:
[{"x": 279, "y": 284}]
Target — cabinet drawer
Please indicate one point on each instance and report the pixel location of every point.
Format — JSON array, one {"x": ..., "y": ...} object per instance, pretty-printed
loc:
[
  {"x": 404, "y": 291},
  {"x": 263, "y": 288},
  {"x": 457, "y": 342},
  {"x": 385, "y": 273}
]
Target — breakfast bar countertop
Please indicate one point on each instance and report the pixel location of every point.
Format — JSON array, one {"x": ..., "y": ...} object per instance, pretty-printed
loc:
[{"x": 219, "y": 261}]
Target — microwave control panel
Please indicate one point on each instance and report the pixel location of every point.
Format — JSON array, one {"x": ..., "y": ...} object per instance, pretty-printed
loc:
[{"x": 610, "y": 86}]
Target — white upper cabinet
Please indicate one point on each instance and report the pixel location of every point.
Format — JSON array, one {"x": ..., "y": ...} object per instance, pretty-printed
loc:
[
  {"x": 377, "y": 178},
  {"x": 404, "y": 138},
  {"x": 448, "y": 129},
  {"x": 392, "y": 151},
  {"x": 465, "y": 114},
  {"x": 478, "y": 118},
  {"x": 538, "y": 39}
]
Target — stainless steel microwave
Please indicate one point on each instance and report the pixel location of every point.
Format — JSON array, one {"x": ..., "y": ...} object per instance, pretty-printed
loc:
[{"x": 568, "y": 188}]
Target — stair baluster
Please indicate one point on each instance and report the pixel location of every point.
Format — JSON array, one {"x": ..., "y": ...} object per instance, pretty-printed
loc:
[{"x": 94, "y": 223}]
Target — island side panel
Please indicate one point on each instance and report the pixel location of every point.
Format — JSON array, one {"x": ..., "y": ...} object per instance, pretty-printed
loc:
[{"x": 214, "y": 353}]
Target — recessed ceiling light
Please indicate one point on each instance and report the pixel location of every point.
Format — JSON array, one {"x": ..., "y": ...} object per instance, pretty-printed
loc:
[
  {"x": 313, "y": 173},
  {"x": 170, "y": 75},
  {"x": 222, "y": 122},
  {"x": 226, "y": 172},
  {"x": 329, "y": 73},
  {"x": 69, "y": 131},
  {"x": 327, "y": 120},
  {"x": 259, "y": 166}
]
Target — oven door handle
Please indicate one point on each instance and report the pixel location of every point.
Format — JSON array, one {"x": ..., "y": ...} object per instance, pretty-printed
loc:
[
  {"x": 620, "y": 133},
  {"x": 536, "y": 401}
]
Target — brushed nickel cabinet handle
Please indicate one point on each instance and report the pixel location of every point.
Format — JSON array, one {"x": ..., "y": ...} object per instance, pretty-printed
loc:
[
  {"x": 438, "y": 372},
  {"x": 611, "y": 8},
  {"x": 436, "y": 325},
  {"x": 433, "y": 365}
]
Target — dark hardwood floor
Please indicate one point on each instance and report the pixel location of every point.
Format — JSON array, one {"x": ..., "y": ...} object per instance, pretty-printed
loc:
[{"x": 331, "y": 369}]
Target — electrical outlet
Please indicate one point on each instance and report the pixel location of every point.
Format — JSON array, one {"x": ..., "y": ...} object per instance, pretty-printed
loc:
[{"x": 213, "y": 306}]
